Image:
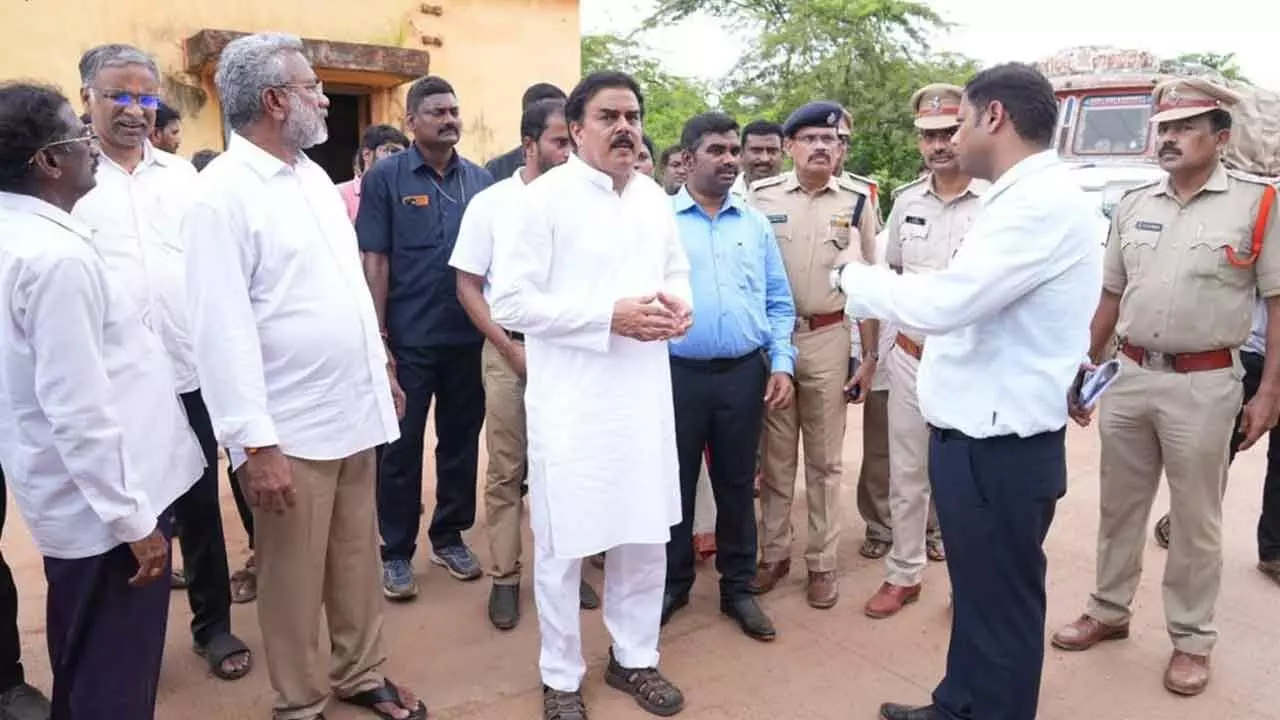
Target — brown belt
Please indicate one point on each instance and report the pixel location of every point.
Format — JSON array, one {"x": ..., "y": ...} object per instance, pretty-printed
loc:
[
  {"x": 817, "y": 322},
  {"x": 1178, "y": 362},
  {"x": 909, "y": 346}
]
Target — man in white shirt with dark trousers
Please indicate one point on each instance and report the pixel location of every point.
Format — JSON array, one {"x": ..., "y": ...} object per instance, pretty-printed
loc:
[{"x": 1008, "y": 327}]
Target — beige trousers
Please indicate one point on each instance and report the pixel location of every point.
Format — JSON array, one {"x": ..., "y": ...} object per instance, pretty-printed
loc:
[
  {"x": 873, "y": 479},
  {"x": 321, "y": 554},
  {"x": 817, "y": 415},
  {"x": 910, "y": 495},
  {"x": 505, "y": 440},
  {"x": 1183, "y": 422}
]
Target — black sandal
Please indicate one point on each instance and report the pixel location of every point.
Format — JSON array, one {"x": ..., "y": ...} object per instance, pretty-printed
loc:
[
  {"x": 560, "y": 705},
  {"x": 651, "y": 691},
  {"x": 219, "y": 649},
  {"x": 1162, "y": 532},
  {"x": 387, "y": 693}
]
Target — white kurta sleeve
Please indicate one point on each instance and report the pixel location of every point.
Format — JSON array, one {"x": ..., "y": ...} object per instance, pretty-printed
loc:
[
  {"x": 1006, "y": 255},
  {"x": 522, "y": 299},
  {"x": 220, "y": 257},
  {"x": 64, "y": 319}
]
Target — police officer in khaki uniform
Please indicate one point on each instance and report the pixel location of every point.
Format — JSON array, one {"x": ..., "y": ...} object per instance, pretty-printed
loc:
[
  {"x": 815, "y": 213},
  {"x": 930, "y": 217},
  {"x": 1182, "y": 264}
]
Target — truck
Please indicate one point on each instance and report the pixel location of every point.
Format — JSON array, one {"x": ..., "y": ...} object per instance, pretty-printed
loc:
[{"x": 1104, "y": 130}]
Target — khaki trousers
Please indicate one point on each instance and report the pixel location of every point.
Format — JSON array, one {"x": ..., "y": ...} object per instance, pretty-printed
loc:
[
  {"x": 321, "y": 554},
  {"x": 817, "y": 415},
  {"x": 1183, "y": 422},
  {"x": 873, "y": 479},
  {"x": 505, "y": 440},
  {"x": 910, "y": 503}
]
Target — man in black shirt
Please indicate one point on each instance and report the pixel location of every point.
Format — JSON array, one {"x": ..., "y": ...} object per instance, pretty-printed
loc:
[{"x": 506, "y": 164}]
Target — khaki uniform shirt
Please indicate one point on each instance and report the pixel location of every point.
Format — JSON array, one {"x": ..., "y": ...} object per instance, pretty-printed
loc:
[
  {"x": 1168, "y": 263},
  {"x": 925, "y": 231},
  {"x": 811, "y": 230}
]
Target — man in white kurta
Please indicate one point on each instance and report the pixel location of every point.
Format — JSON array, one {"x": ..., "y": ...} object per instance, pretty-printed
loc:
[{"x": 603, "y": 476}]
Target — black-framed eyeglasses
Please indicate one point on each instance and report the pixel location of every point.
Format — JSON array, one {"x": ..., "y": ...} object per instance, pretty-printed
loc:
[{"x": 88, "y": 136}]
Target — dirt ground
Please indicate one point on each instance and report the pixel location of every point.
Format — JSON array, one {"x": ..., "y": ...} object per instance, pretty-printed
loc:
[{"x": 834, "y": 664}]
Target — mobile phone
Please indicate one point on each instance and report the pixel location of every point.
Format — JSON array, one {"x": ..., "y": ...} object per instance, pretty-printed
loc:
[{"x": 855, "y": 392}]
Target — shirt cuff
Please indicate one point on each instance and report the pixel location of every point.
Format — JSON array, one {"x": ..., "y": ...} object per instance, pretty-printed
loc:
[
  {"x": 135, "y": 526},
  {"x": 782, "y": 362},
  {"x": 252, "y": 432}
]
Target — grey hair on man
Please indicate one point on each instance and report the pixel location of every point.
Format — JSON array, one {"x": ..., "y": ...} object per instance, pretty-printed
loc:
[
  {"x": 248, "y": 67},
  {"x": 114, "y": 55}
]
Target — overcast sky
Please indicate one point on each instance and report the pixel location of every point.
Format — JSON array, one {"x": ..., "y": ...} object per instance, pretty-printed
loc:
[{"x": 998, "y": 30}]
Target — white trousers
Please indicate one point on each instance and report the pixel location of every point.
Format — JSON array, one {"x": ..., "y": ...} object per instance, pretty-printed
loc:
[
  {"x": 634, "y": 579},
  {"x": 909, "y": 489}
]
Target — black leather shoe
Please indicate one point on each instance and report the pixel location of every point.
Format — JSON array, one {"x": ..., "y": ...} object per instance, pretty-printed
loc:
[
  {"x": 587, "y": 597},
  {"x": 746, "y": 611},
  {"x": 504, "y": 606},
  {"x": 894, "y": 711},
  {"x": 672, "y": 603}
]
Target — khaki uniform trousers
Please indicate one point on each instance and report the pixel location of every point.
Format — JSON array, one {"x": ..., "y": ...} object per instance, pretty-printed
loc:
[
  {"x": 505, "y": 441},
  {"x": 910, "y": 495},
  {"x": 322, "y": 553},
  {"x": 873, "y": 478},
  {"x": 1184, "y": 422},
  {"x": 817, "y": 415}
]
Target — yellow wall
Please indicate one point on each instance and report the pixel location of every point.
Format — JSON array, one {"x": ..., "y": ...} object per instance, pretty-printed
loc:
[{"x": 492, "y": 51}]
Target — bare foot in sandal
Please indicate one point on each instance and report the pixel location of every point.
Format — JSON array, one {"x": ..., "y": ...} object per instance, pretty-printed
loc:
[
  {"x": 390, "y": 702},
  {"x": 244, "y": 583},
  {"x": 228, "y": 657}
]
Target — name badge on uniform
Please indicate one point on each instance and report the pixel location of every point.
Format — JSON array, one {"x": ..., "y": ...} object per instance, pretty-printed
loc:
[
  {"x": 778, "y": 218},
  {"x": 1150, "y": 226},
  {"x": 416, "y": 200},
  {"x": 839, "y": 225},
  {"x": 914, "y": 220}
]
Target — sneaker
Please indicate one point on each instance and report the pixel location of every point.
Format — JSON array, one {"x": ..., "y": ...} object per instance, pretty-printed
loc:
[
  {"x": 397, "y": 580},
  {"x": 458, "y": 559}
]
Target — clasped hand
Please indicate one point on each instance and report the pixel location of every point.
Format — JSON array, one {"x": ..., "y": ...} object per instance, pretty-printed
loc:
[{"x": 651, "y": 318}]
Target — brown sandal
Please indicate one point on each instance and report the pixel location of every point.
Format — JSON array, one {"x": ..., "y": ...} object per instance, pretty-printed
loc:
[
  {"x": 874, "y": 549},
  {"x": 244, "y": 583},
  {"x": 560, "y": 705},
  {"x": 651, "y": 691},
  {"x": 936, "y": 551}
]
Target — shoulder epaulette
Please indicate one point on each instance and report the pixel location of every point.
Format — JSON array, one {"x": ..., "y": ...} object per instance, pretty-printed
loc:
[
  {"x": 1249, "y": 177},
  {"x": 855, "y": 184},
  {"x": 863, "y": 179},
  {"x": 908, "y": 186},
  {"x": 767, "y": 182},
  {"x": 1143, "y": 186}
]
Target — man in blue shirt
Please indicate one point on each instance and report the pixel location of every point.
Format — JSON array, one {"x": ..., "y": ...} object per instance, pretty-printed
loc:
[
  {"x": 411, "y": 206},
  {"x": 735, "y": 359}
]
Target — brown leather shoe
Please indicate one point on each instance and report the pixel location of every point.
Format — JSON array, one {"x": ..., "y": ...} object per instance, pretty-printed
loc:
[
  {"x": 822, "y": 591},
  {"x": 1086, "y": 632},
  {"x": 1187, "y": 674},
  {"x": 889, "y": 599},
  {"x": 768, "y": 575}
]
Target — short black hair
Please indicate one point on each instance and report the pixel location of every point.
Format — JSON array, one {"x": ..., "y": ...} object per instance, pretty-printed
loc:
[
  {"x": 166, "y": 114},
  {"x": 541, "y": 91},
  {"x": 1219, "y": 120},
  {"x": 425, "y": 87},
  {"x": 648, "y": 145},
  {"x": 202, "y": 158},
  {"x": 761, "y": 127},
  {"x": 30, "y": 118},
  {"x": 375, "y": 136},
  {"x": 668, "y": 153},
  {"x": 708, "y": 123},
  {"x": 1026, "y": 95},
  {"x": 536, "y": 116},
  {"x": 576, "y": 106}
]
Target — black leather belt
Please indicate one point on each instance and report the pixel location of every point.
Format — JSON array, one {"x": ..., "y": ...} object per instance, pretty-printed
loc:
[
  {"x": 714, "y": 365},
  {"x": 518, "y": 337}
]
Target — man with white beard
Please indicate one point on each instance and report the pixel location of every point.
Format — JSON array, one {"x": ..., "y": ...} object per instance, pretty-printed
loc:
[
  {"x": 595, "y": 276},
  {"x": 296, "y": 378}
]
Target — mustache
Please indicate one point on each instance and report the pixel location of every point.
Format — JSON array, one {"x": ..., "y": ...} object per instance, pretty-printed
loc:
[
  {"x": 622, "y": 141},
  {"x": 946, "y": 155},
  {"x": 448, "y": 128},
  {"x": 1170, "y": 149}
]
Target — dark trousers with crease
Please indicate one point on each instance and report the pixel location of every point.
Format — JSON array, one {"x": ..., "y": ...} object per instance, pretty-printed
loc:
[
  {"x": 996, "y": 499},
  {"x": 106, "y": 638},
  {"x": 451, "y": 376},
  {"x": 1269, "y": 520},
  {"x": 198, "y": 516},
  {"x": 11, "y": 673},
  {"x": 719, "y": 406}
]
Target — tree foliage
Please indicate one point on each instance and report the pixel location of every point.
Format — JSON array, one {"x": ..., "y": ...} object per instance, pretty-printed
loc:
[
  {"x": 1224, "y": 64},
  {"x": 670, "y": 99}
]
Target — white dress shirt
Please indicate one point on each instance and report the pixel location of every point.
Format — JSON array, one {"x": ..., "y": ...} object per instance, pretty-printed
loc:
[
  {"x": 285, "y": 335},
  {"x": 1257, "y": 342},
  {"x": 496, "y": 204},
  {"x": 1009, "y": 318},
  {"x": 93, "y": 441},
  {"x": 135, "y": 220}
]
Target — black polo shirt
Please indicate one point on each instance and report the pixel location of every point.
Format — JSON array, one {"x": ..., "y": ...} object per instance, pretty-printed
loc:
[
  {"x": 506, "y": 164},
  {"x": 411, "y": 214}
]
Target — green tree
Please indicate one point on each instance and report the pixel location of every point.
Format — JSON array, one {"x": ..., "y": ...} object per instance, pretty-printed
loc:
[
  {"x": 1225, "y": 64},
  {"x": 670, "y": 99}
]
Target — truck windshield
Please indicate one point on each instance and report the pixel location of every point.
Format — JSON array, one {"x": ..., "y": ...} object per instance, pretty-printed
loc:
[{"x": 1113, "y": 125}]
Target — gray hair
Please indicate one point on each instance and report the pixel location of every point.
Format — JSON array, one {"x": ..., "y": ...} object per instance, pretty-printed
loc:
[
  {"x": 97, "y": 59},
  {"x": 248, "y": 67}
]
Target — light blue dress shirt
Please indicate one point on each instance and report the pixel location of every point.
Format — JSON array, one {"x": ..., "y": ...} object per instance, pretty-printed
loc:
[{"x": 741, "y": 298}]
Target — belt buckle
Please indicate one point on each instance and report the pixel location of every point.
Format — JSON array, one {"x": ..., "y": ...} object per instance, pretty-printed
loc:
[
  {"x": 802, "y": 323},
  {"x": 1158, "y": 360}
]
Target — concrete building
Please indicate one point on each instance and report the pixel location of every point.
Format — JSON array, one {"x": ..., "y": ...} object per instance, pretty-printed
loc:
[{"x": 365, "y": 51}]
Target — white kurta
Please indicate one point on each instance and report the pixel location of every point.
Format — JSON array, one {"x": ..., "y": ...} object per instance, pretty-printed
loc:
[{"x": 602, "y": 449}]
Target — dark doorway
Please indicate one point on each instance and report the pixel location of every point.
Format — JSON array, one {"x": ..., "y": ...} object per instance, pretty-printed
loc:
[{"x": 346, "y": 121}]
